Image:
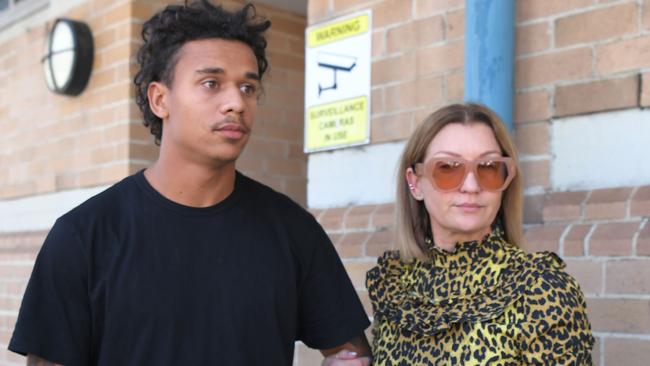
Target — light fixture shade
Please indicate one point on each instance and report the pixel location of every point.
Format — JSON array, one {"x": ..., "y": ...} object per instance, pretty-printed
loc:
[{"x": 68, "y": 57}]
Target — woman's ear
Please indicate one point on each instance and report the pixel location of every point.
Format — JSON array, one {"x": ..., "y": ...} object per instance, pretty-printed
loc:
[
  {"x": 412, "y": 182},
  {"x": 157, "y": 96}
]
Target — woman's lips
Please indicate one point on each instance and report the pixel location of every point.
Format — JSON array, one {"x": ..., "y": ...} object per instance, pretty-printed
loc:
[{"x": 469, "y": 207}]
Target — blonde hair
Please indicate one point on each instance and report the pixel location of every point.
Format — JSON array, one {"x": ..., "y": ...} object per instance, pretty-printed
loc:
[{"x": 412, "y": 219}]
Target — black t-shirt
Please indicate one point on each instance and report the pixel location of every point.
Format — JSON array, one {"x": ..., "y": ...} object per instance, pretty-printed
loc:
[{"x": 132, "y": 278}]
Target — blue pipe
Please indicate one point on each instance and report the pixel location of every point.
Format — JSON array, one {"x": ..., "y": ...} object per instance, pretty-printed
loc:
[{"x": 490, "y": 55}]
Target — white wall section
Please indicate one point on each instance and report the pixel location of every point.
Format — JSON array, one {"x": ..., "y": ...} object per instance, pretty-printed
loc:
[
  {"x": 362, "y": 175},
  {"x": 39, "y": 212},
  {"x": 610, "y": 149}
]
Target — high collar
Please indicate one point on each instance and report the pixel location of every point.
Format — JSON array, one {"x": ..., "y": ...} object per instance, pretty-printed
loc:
[{"x": 468, "y": 252}]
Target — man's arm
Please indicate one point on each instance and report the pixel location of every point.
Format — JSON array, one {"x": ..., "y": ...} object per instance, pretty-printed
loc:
[
  {"x": 37, "y": 361},
  {"x": 354, "y": 352}
]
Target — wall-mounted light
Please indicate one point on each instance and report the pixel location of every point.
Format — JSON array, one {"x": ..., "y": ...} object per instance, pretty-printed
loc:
[{"x": 68, "y": 57}]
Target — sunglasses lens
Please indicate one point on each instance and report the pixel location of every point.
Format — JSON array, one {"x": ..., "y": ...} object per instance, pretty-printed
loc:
[
  {"x": 448, "y": 174},
  {"x": 492, "y": 174}
]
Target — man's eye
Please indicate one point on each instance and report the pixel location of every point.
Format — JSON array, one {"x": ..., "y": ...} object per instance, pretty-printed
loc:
[
  {"x": 248, "y": 89},
  {"x": 210, "y": 84}
]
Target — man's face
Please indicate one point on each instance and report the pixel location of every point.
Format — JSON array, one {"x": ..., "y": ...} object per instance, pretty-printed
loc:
[{"x": 211, "y": 102}]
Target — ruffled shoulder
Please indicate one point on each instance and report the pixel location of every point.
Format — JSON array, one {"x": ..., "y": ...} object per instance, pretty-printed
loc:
[{"x": 395, "y": 288}]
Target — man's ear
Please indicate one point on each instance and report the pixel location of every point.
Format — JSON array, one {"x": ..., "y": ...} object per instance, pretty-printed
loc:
[
  {"x": 157, "y": 94},
  {"x": 412, "y": 181}
]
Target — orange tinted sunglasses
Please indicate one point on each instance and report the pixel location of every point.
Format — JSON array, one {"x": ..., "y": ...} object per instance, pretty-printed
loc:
[{"x": 448, "y": 174}]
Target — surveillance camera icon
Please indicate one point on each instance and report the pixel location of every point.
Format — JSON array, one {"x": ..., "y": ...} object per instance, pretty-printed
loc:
[{"x": 335, "y": 63}]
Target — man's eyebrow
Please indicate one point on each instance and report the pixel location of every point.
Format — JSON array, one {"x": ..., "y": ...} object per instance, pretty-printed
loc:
[
  {"x": 217, "y": 70},
  {"x": 252, "y": 75},
  {"x": 211, "y": 70}
]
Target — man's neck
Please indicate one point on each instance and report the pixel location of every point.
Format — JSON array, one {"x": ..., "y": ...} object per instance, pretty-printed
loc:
[{"x": 192, "y": 184}]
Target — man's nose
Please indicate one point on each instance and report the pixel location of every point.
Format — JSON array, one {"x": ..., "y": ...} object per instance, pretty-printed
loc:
[{"x": 233, "y": 101}]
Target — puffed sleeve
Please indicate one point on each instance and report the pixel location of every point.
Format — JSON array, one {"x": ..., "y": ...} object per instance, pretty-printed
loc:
[{"x": 556, "y": 329}]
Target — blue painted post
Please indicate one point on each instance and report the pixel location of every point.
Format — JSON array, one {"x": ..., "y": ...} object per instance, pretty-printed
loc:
[{"x": 490, "y": 55}]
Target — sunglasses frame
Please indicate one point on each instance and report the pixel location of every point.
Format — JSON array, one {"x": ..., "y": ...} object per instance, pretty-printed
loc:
[{"x": 426, "y": 169}]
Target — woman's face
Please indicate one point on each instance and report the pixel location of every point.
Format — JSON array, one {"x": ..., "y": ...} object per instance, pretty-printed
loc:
[{"x": 467, "y": 212}]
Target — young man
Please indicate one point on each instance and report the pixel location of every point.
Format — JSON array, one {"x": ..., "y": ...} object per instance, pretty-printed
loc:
[{"x": 190, "y": 262}]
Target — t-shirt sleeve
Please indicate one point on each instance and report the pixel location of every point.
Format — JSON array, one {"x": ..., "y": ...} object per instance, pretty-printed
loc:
[
  {"x": 54, "y": 318},
  {"x": 330, "y": 311}
]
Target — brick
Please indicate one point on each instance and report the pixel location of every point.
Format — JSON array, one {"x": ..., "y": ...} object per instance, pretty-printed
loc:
[
  {"x": 377, "y": 101},
  {"x": 352, "y": 245},
  {"x": 402, "y": 38},
  {"x": 390, "y": 12},
  {"x": 430, "y": 30},
  {"x": 532, "y": 139},
  {"x": 643, "y": 241},
  {"x": 357, "y": 272},
  {"x": 455, "y": 86},
  {"x": 532, "y": 106},
  {"x": 595, "y": 352},
  {"x": 640, "y": 203},
  {"x": 589, "y": 275},
  {"x": 428, "y": 7},
  {"x": 645, "y": 15},
  {"x": 379, "y": 43},
  {"x": 394, "y": 69},
  {"x": 608, "y": 203},
  {"x": 392, "y": 127},
  {"x": 379, "y": 242},
  {"x": 456, "y": 24},
  {"x": 401, "y": 96},
  {"x": 339, "y": 5},
  {"x": 534, "y": 9},
  {"x": 532, "y": 38},
  {"x": 626, "y": 351},
  {"x": 597, "y": 96},
  {"x": 446, "y": 57},
  {"x": 623, "y": 55},
  {"x": 574, "y": 241},
  {"x": 619, "y": 315},
  {"x": 291, "y": 26},
  {"x": 533, "y": 208},
  {"x": 613, "y": 239},
  {"x": 628, "y": 276},
  {"x": 358, "y": 217},
  {"x": 384, "y": 216},
  {"x": 644, "y": 98},
  {"x": 596, "y": 25},
  {"x": 317, "y": 10},
  {"x": 544, "y": 238},
  {"x": 332, "y": 218},
  {"x": 564, "y": 206},
  {"x": 429, "y": 91},
  {"x": 553, "y": 67}
]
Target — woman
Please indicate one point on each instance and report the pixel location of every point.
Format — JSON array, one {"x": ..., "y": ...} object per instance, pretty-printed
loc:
[{"x": 460, "y": 291}]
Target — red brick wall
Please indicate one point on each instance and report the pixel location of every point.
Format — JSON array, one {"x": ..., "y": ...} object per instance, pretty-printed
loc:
[{"x": 17, "y": 254}]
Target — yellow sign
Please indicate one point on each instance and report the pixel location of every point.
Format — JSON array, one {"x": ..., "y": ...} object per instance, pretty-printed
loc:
[
  {"x": 343, "y": 122},
  {"x": 338, "y": 31}
]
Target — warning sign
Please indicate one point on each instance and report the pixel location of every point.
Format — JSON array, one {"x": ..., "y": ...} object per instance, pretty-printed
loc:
[
  {"x": 338, "y": 123},
  {"x": 337, "y": 83}
]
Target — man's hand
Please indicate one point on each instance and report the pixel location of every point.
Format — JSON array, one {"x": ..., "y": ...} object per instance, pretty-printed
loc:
[{"x": 346, "y": 358}]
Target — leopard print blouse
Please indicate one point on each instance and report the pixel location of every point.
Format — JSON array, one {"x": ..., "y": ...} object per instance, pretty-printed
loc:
[{"x": 488, "y": 303}]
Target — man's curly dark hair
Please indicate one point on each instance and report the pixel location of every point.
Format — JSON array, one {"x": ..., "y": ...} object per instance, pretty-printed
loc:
[{"x": 167, "y": 31}]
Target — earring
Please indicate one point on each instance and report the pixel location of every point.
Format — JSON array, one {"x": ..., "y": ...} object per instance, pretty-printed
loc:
[{"x": 411, "y": 187}]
